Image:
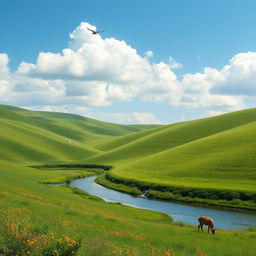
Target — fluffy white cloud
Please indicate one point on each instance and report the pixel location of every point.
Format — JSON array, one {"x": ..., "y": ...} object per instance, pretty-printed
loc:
[
  {"x": 91, "y": 58},
  {"x": 4, "y": 88},
  {"x": 4, "y": 61},
  {"x": 121, "y": 74},
  {"x": 95, "y": 72},
  {"x": 222, "y": 90},
  {"x": 239, "y": 77},
  {"x": 197, "y": 92},
  {"x": 174, "y": 64},
  {"x": 121, "y": 118},
  {"x": 126, "y": 118},
  {"x": 6, "y": 80}
]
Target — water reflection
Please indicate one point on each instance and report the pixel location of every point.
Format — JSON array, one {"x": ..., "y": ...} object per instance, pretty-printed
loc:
[{"x": 224, "y": 219}]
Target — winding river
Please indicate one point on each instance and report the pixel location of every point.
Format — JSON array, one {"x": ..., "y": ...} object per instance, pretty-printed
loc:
[{"x": 224, "y": 219}]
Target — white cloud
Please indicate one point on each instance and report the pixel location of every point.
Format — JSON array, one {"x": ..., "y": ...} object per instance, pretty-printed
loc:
[
  {"x": 149, "y": 54},
  {"x": 239, "y": 76},
  {"x": 127, "y": 118},
  {"x": 93, "y": 72},
  {"x": 121, "y": 73},
  {"x": 214, "y": 113},
  {"x": 4, "y": 88},
  {"x": 174, "y": 64},
  {"x": 117, "y": 92},
  {"x": 4, "y": 61},
  {"x": 91, "y": 58},
  {"x": 6, "y": 80},
  {"x": 144, "y": 118},
  {"x": 163, "y": 85},
  {"x": 197, "y": 92},
  {"x": 121, "y": 118}
]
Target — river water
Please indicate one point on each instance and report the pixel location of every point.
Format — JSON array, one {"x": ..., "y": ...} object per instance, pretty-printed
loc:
[{"x": 224, "y": 219}]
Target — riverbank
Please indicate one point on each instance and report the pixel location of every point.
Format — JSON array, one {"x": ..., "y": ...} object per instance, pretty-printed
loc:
[
  {"x": 178, "y": 194},
  {"x": 77, "y": 171},
  {"x": 194, "y": 196},
  {"x": 179, "y": 212},
  {"x": 108, "y": 228}
]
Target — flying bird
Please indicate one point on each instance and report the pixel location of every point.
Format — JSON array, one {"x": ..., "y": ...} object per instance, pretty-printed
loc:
[{"x": 95, "y": 32}]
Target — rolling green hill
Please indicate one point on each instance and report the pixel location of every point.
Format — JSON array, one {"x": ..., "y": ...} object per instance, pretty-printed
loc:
[
  {"x": 225, "y": 160},
  {"x": 58, "y": 214},
  {"x": 216, "y": 153},
  {"x": 32, "y": 136},
  {"x": 209, "y": 153},
  {"x": 136, "y": 146}
]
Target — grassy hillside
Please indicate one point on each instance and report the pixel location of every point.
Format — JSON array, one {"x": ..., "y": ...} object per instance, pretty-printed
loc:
[
  {"x": 216, "y": 153},
  {"x": 125, "y": 139},
  {"x": 127, "y": 149},
  {"x": 34, "y": 211},
  {"x": 31, "y": 136},
  {"x": 212, "y": 153},
  {"x": 221, "y": 161},
  {"x": 40, "y": 220}
]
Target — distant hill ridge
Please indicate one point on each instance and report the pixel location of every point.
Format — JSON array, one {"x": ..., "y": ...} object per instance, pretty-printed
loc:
[
  {"x": 146, "y": 143},
  {"x": 216, "y": 152},
  {"x": 211, "y": 153},
  {"x": 36, "y": 136}
]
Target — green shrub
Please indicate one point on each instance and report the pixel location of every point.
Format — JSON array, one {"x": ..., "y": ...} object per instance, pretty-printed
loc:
[
  {"x": 193, "y": 195},
  {"x": 236, "y": 201}
]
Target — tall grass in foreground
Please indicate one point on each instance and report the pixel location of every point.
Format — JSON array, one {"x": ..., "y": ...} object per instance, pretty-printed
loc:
[
  {"x": 106, "y": 229},
  {"x": 23, "y": 235},
  {"x": 19, "y": 236}
]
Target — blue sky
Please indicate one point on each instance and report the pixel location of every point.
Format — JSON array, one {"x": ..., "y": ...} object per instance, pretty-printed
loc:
[{"x": 166, "y": 46}]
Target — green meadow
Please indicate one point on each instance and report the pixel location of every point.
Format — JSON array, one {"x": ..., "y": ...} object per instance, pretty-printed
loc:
[
  {"x": 207, "y": 155},
  {"x": 194, "y": 161}
]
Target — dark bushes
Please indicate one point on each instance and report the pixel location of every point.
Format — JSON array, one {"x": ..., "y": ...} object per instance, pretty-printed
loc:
[{"x": 171, "y": 192}]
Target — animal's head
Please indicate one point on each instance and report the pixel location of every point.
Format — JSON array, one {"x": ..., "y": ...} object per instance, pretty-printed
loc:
[{"x": 213, "y": 231}]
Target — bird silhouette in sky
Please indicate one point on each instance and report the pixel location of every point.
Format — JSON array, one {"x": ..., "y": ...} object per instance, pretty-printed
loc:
[{"x": 95, "y": 32}]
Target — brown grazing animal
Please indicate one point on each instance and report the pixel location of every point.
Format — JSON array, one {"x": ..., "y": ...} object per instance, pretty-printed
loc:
[{"x": 206, "y": 221}]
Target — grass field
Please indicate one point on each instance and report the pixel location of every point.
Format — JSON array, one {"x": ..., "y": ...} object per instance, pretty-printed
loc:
[
  {"x": 212, "y": 154},
  {"x": 28, "y": 136},
  {"x": 105, "y": 228},
  {"x": 221, "y": 161},
  {"x": 38, "y": 219}
]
